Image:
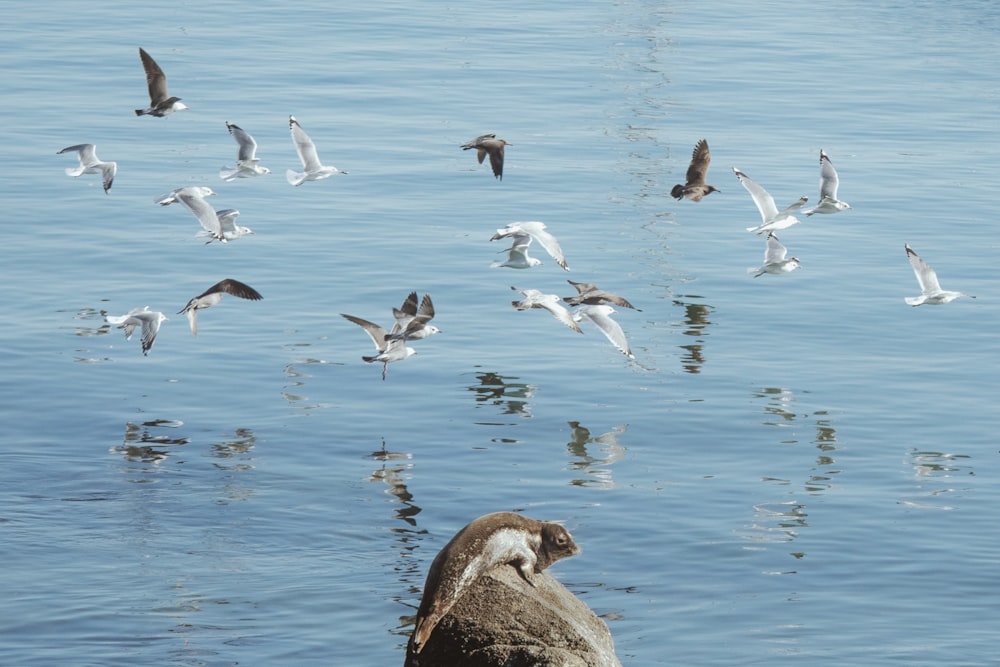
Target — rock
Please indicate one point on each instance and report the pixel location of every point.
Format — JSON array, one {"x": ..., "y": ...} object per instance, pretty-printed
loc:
[{"x": 502, "y": 621}]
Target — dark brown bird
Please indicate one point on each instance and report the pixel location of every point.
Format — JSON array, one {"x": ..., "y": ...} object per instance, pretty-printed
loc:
[
  {"x": 160, "y": 102},
  {"x": 488, "y": 144},
  {"x": 696, "y": 188},
  {"x": 591, "y": 295}
]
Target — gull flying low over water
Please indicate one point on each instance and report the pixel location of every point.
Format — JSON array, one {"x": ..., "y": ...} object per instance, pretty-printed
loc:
[
  {"x": 488, "y": 144},
  {"x": 413, "y": 323},
  {"x": 388, "y": 350},
  {"x": 160, "y": 102},
  {"x": 313, "y": 169},
  {"x": 774, "y": 258},
  {"x": 592, "y": 295},
  {"x": 536, "y": 230},
  {"x": 517, "y": 254},
  {"x": 829, "y": 183},
  {"x": 770, "y": 216},
  {"x": 600, "y": 315},
  {"x": 91, "y": 164},
  {"x": 247, "y": 164},
  {"x": 931, "y": 292},
  {"x": 695, "y": 188},
  {"x": 535, "y": 299},
  {"x": 217, "y": 225},
  {"x": 213, "y": 295},
  {"x": 148, "y": 320}
]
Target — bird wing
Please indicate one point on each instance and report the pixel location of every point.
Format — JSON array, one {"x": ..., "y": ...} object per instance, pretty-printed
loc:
[
  {"x": 477, "y": 141},
  {"x": 829, "y": 182},
  {"x": 156, "y": 80},
  {"x": 304, "y": 146},
  {"x": 764, "y": 202},
  {"x": 550, "y": 302},
  {"x": 234, "y": 287},
  {"x": 247, "y": 145},
  {"x": 374, "y": 331},
  {"x": 150, "y": 327},
  {"x": 202, "y": 210},
  {"x": 601, "y": 317},
  {"x": 775, "y": 252},
  {"x": 700, "y": 159},
  {"x": 926, "y": 276},
  {"x": 496, "y": 151},
  {"x": 546, "y": 240}
]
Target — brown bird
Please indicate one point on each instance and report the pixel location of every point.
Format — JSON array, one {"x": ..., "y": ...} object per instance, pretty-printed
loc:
[
  {"x": 696, "y": 188},
  {"x": 592, "y": 295},
  {"x": 489, "y": 144},
  {"x": 160, "y": 102}
]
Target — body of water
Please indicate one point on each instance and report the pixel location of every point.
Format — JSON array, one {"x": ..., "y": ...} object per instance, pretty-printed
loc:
[{"x": 794, "y": 469}]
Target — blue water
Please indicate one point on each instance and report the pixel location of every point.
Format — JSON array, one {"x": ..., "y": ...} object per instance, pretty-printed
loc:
[{"x": 796, "y": 469}]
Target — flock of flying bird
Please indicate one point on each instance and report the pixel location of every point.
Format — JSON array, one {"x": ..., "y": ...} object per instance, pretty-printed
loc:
[
  {"x": 412, "y": 321},
  {"x": 776, "y": 260}
]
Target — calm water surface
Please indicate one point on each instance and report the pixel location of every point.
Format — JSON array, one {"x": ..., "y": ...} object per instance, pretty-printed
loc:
[{"x": 796, "y": 469}]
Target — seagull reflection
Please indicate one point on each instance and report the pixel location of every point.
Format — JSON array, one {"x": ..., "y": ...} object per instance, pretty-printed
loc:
[
  {"x": 138, "y": 443},
  {"x": 779, "y": 403},
  {"x": 495, "y": 389},
  {"x": 595, "y": 464},
  {"x": 696, "y": 322},
  {"x": 392, "y": 475},
  {"x": 238, "y": 446}
]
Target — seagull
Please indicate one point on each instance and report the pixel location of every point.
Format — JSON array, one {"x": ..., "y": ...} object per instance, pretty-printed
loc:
[
  {"x": 535, "y": 230},
  {"x": 592, "y": 295},
  {"x": 91, "y": 164},
  {"x": 247, "y": 164},
  {"x": 600, "y": 315},
  {"x": 213, "y": 295},
  {"x": 695, "y": 188},
  {"x": 413, "y": 323},
  {"x": 160, "y": 102},
  {"x": 488, "y": 144},
  {"x": 388, "y": 350},
  {"x": 770, "y": 216},
  {"x": 932, "y": 294},
  {"x": 517, "y": 254},
  {"x": 217, "y": 225},
  {"x": 149, "y": 321},
  {"x": 313, "y": 169},
  {"x": 774, "y": 258},
  {"x": 550, "y": 302},
  {"x": 828, "y": 184}
]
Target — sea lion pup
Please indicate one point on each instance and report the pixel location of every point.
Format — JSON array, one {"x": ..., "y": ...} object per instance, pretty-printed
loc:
[{"x": 493, "y": 540}]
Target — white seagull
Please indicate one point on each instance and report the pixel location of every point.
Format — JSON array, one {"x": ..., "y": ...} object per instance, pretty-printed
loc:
[
  {"x": 488, "y": 144},
  {"x": 550, "y": 302},
  {"x": 213, "y": 295},
  {"x": 591, "y": 295},
  {"x": 217, "y": 225},
  {"x": 770, "y": 216},
  {"x": 388, "y": 350},
  {"x": 413, "y": 323},
  {"x": 160, "y": 102},
  {"x": 829, "y": 182},
  {"x": 139, "y": 317},
  {"x": 313, "y": 169},
  {"x": 247, "y": 164},
  {"x": 536, "y": 230},
  {"x": 91, "y": 164},
  {"x": 931, "y": 292},
  {"x": 774, "y": 258},
  {"x": 600, "y": 315},
  {"x": 517, "y": 254}
]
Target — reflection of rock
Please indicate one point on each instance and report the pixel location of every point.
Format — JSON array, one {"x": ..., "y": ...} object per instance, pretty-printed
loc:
[{"x": 503, "y": 621}]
